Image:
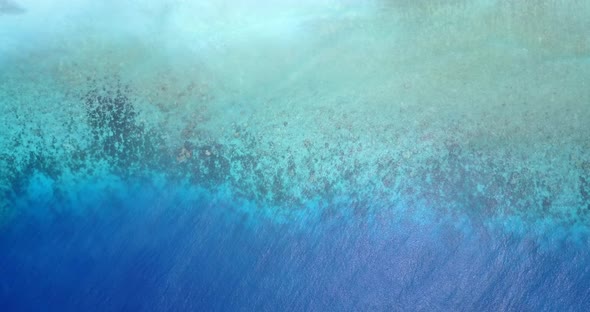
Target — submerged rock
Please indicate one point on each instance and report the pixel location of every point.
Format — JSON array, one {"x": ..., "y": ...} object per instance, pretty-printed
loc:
[{"x": 10, "y": 7}]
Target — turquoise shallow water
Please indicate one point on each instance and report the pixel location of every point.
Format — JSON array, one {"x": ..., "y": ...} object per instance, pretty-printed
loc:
[{"x": 331, "y": 155}]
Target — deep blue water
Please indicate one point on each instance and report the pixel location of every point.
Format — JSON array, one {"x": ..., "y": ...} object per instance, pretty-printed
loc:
[
  {"x": 309, "y": 155},
  {"x": 163, "y": 250}
]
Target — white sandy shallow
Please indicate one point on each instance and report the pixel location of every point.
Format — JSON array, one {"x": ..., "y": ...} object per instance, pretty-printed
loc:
[{"x": 466, "y": 108}]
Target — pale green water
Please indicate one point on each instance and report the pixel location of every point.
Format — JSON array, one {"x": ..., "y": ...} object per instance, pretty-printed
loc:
[{"x": 476, "y": 109}]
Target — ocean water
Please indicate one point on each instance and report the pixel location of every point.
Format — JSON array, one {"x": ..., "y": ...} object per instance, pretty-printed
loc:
[{"x": 378, "y": 155}]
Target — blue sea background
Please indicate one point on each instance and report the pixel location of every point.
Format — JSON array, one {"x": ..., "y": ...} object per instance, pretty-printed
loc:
[
  {"x": 166, "y": 250},
  {"x": 294, "y": 156}
]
